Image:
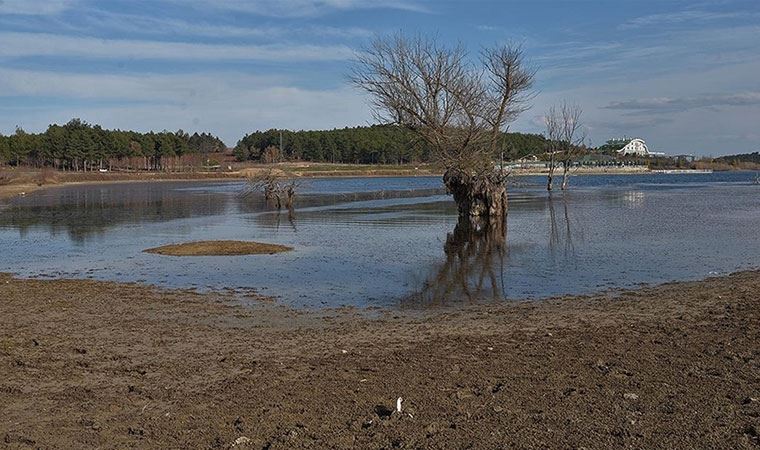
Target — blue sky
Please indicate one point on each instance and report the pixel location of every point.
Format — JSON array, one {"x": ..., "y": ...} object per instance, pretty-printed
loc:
[{"x": 685, "y": 75}]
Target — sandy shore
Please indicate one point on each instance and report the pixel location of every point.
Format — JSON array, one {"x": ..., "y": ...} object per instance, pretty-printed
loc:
[
  {"x": 14, "y": 189},
  {"x": 93, "y": 364}
]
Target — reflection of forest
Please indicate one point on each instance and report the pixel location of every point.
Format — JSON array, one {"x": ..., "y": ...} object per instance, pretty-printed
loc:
[
  {"x": 85, "y": 211},
  {"x": 256, "y": 203},
  {"x": 332, "y": 208}
]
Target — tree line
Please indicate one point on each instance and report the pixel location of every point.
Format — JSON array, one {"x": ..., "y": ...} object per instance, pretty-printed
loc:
[
  {"x": 78, "y": 145},
  {"x": 742, "y": 158},
  {"x": 376, "y": 144},
  {"x": 81, "y": 146}
]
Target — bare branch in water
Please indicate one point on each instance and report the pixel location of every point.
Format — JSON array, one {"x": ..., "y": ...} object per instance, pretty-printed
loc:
[{"x": 278, "y": 190}]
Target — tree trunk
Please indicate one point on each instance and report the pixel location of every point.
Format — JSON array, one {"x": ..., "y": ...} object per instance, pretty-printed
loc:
[
  {"x": 565, "y": 175},
  {"x": 550, "y": 176},
  {"x": 482, "y": 196}
]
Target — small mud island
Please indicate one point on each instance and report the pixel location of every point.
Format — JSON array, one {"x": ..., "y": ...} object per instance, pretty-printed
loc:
[
  {"x": 87, "y": 364},
  {"x": 219, "y": 248}
]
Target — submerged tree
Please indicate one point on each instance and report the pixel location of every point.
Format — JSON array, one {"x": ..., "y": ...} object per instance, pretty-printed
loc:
[
  {"x": 457, "y": 107},
  {"x": 278, "y": 190},
  {"x": 563, "y": 129}
]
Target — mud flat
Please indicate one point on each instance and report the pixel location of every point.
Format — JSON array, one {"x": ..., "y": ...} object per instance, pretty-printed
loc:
[
  {"x": 95, "y": 364},
  {"x": 219, "y": 248}
]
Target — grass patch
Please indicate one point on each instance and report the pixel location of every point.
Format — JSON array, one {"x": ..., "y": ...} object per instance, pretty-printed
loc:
[{"x": 219, "y": 248}]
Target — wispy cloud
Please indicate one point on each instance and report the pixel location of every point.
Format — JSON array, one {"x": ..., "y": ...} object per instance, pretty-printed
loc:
[
  {"x": 628, "y": 125},
  {"x": 100, "y": 20},
  {"x": 488, "y": 28},
  {"x": 680, "y": 104},
  {"x": 40, "y": 44},
  {"x": 173, "y": 88},
  {"x": 230, "y": 103},
  {"x": 305, "y": 8},
  {"x": 679, "y": 17},
  {"x": 35, "y": 7},
  {"x": 687, "y": 52}
]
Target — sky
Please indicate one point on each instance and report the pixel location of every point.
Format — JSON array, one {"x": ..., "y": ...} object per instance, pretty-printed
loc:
[{"x": 683, "y": 75}]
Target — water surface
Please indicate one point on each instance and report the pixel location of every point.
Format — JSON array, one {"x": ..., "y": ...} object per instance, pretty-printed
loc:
[{"x": 393, "y": 241}]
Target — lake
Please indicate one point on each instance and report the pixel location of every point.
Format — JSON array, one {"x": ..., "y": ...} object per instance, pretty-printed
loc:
[{"x": 393, "y": 241}]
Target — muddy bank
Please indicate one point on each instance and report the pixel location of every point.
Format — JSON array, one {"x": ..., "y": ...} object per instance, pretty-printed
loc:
[
  {"x": 23, "y": 183},
  {"x": 219, "y": 248},
  {"x": 95, "y": 364}
]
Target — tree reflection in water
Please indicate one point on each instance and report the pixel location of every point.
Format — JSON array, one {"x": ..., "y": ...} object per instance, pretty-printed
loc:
[
  {"x": 476, "y": 257},
  {"x": 561, "y": 242},
  {"x": 475, "y": 254}
]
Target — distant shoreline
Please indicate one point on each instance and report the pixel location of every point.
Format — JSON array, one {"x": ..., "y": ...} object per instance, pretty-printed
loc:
[{"x": 29, "y": 181}]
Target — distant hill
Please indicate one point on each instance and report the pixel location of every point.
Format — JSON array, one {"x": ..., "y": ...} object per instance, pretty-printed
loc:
[{"x": 743, "y": 158}]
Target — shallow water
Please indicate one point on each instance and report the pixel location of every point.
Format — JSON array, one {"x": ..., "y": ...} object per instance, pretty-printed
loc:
[{"x": 393, "y": 241}]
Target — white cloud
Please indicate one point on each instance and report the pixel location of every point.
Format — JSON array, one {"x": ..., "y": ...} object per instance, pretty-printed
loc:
[
  {"x": 175, "y": 88},
  {"x": 717, "y": 99},
  {"x": 679, "y": 104},
  {"x": 39, "y": 44},
  {"x": 35, "y": 7},
  {"x": 229, "y": 104},
  {"x": 679, "y": 17},
  {"x": 304, "y": 8},
  {"x": 685, "y": 52},
  {"x": 158, "y": 25}
]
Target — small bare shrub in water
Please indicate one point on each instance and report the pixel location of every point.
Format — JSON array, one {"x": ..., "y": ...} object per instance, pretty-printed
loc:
[{"x": 278, "y": 190}]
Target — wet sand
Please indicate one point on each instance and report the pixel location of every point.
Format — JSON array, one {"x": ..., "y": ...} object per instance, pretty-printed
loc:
[
  {"x": 94, "y": 364},
  {"x": 219, "y": 248}
]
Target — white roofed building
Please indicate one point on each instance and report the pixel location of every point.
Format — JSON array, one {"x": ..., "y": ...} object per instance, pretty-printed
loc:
[{"x": 635, "y": 147}]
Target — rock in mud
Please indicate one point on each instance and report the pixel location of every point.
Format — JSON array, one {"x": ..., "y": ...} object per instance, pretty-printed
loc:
[{"x": 383, "y": 411}]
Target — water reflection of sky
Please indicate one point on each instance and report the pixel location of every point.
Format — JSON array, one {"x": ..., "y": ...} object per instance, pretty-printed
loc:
[{"x": 393, "y": 241}]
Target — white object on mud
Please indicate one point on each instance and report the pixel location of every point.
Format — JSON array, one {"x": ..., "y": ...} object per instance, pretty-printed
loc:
[
  {"x": 398, "y": 405},
  {"x": 242, "y": 440}
]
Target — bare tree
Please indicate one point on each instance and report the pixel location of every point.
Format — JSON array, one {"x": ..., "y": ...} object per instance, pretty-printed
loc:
[
  {"x": 459, "y": 108},
  {"x": 278, "y": 190},
  {"x": 564, "y": 132}
]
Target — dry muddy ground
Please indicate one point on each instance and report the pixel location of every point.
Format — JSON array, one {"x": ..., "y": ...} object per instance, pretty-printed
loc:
[{"x": 92, "y": 364}]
